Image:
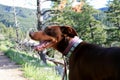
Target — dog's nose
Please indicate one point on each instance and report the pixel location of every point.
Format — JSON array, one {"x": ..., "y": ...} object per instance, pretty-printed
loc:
[{"x": 31, "y": 33}]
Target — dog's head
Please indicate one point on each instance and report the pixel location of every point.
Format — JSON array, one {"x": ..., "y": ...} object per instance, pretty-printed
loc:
[{"x": 53, "y": 36}]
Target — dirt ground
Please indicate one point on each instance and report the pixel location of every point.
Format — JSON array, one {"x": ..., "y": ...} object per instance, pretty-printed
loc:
[{"x": 9, "y": 70}]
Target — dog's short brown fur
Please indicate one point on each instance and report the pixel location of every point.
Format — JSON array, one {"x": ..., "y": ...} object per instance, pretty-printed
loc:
[{"x": 87, "y": 61}]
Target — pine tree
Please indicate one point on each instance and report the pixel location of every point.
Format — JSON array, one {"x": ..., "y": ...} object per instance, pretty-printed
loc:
[
  {"x": 113, "y": 13},
  {"x": 84, "y": 22}
]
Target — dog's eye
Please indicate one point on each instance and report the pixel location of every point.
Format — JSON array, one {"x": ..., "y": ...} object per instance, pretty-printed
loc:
[{"x": 50, "y": 32}]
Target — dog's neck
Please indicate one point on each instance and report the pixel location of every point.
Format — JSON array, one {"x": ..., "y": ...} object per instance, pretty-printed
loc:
[
  {"x": 73, "y": 43},
  {"x": 68, "y": 45}
]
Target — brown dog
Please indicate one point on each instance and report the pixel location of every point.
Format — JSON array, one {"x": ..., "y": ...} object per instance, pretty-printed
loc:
[{"x": 86, "y": 61}]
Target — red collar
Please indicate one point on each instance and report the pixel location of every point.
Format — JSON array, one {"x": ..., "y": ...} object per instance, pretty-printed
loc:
[{"x": 72, "y": 45}]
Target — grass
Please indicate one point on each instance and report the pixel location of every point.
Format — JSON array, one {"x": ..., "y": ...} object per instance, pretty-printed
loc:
[
  {"x": 40, "y": 73},
  {"x": 30, "y": 65},
  {"x": 4, "y": 44}
]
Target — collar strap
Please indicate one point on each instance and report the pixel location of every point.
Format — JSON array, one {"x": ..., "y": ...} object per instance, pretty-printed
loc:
[{"x": 72, "y": 45}]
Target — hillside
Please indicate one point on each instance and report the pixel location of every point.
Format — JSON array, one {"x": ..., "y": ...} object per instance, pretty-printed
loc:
[
  {"x": 26, "y": 17},
  {"x": 103, "y": 9}
]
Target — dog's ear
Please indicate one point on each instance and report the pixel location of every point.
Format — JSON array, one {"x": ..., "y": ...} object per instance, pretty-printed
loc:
[{"x": 69, "y": 31}]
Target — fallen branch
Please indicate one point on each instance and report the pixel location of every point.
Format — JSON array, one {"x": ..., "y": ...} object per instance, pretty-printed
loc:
[{"x": 56, "y": 62}]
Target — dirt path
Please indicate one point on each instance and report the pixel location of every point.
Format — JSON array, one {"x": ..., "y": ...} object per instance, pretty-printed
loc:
[{"x": 9, "y": 70}]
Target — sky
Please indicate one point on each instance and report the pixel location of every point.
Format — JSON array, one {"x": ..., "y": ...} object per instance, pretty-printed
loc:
[{"x": 32, "y": 3}]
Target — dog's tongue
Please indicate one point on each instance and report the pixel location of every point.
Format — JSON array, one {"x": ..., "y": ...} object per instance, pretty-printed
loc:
[{"x": 41, "y": 46}]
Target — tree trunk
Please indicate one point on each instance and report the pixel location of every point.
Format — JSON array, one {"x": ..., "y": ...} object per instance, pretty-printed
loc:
[
  {"x": 41, "y": 54},
  {"x": 16, "y": 23},
  {"x": 38, "y": 15},
  {"x": 92, "y": 35}
]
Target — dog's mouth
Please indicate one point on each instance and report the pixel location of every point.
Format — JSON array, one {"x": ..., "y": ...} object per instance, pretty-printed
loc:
[{"x": 43, "y": 45}]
